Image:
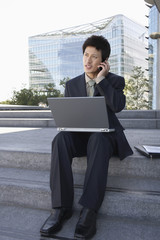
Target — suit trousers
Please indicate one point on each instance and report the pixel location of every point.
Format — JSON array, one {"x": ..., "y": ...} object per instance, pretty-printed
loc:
[{"x": 98, "y": 147}]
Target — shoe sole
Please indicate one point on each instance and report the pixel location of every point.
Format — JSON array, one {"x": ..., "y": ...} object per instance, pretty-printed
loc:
[{"x": 89, "y": 236}]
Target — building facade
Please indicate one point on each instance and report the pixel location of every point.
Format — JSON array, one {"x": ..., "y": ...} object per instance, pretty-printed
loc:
[
  {"x": 154, "y": 52},
  {"x": 57, "y": 55}
]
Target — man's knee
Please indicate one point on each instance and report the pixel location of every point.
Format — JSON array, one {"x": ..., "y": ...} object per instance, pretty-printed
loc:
[
  {"x": 96, "y": 137},
  {"x": 100, "y": 142},
  {"x": 60, "y": 137}
]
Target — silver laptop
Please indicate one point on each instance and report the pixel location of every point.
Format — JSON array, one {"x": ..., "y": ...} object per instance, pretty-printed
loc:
[{"x": 80, "y": 114}]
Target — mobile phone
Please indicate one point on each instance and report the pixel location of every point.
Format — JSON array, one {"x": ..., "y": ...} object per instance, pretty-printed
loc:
[{"x": 100, "y": 68}]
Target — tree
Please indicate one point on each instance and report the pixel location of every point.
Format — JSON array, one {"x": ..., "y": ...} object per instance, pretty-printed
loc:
[
  {"x": 137, "y": 90},
  {"x": 48, "y": 91},
  {"x": 33, "y": 97},
  {"x": 63, "y": 82},
  {"x": 25, "y": 97}
]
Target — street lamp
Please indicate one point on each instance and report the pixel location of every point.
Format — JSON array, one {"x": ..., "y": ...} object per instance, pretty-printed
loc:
[
  {"x": 155, "y": 35},
  {"x": 154, "y": 2}
]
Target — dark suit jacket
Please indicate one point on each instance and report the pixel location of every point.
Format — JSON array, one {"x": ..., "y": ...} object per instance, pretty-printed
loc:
[{"x": 112, "y": 88}]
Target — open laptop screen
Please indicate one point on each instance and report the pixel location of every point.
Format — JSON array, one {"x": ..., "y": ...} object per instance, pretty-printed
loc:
[{"x": 80, "y": 113}]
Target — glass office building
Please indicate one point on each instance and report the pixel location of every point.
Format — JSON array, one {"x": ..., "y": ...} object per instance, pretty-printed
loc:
[
  {"x": 154, "y": 56},
  {"x": 57, "y": 55}
]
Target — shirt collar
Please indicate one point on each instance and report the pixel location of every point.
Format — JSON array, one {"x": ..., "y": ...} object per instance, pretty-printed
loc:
[
  {"x": 87, "y": 78},
  {"x": 96, "y": 80}
]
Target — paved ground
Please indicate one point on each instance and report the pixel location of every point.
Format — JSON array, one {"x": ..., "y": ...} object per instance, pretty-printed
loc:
[
  {"x": 39, "y": 139},
  {"x": 27, "y": 139},
  {"x": 27, "y": 223}
]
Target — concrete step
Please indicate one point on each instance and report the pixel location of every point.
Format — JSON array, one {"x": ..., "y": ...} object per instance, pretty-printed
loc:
[
  {"x": 26, "y": 114},
  {"x": 140, "y": 123},
  {"x": 27, "y": 122},
  {"x": 25, "y": 223},
  {"x": 7, "y": 107},
  {"x": 26, "y": 118},
  {"x": 131, "y": 207},
  {"x": 139, "y": 114},
  {"x": 123, "y": 183},
  {"x": 49, "y": 122},
  {"x": 31, "y": 149},
  {"x": 140, "y": 119},
  {"x": 125, "y": 114},
  {"x": 133, "y": 182},
  {"x": 135, "y": 166},
  {"x": 43, "y": 118},
  {"x": 137, "y": 198}
]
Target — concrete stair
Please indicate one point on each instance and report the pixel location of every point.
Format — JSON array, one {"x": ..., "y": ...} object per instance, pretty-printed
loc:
[
  {"x": 130, "y": 119},
  {"x": 26, "y": 118},
  {"x": 140, "y": 119},
  {"x": 27, "y": 222},
  {"x": 131, "y": 208}
]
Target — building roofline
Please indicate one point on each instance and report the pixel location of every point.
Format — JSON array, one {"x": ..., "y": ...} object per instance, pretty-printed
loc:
[
  {"x": 80, "y": 29},
  {"x": 87, "y": 28}
]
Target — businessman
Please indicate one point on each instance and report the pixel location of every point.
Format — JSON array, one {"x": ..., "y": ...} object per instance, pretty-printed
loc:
[{"x": 98, "y": 147}]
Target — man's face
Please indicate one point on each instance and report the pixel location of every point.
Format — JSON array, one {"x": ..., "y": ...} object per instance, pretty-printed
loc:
[{"x": 91, "y": 59}]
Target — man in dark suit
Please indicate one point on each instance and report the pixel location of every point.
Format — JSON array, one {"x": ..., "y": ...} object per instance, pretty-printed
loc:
[{"x": 98, "y": 147}]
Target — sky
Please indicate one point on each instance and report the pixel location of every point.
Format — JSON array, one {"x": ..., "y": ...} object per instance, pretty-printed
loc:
[{"x": 20, "y": 19}]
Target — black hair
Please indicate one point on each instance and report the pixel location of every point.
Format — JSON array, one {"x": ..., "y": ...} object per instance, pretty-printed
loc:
[{"x": 100, "y": 43}]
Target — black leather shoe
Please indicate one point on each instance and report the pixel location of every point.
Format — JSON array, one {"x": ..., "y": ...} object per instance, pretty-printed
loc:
[
  {"x": 86, "y": 226},
  {"x": 55, "y": 221}
]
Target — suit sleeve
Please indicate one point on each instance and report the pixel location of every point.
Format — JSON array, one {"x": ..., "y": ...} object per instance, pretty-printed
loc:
[{"x": 112, "y": 89}]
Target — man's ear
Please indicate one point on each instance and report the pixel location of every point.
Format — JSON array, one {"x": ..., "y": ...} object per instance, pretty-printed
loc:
[{"x": 105, "y": 59}]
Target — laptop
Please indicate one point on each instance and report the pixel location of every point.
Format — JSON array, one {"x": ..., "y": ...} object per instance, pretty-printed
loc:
[
  {"x": 149, "y": 150},
  {"x": 80, "y": 114}
]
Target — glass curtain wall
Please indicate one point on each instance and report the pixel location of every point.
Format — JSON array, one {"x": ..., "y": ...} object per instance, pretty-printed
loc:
[{"x": 57, "y": 55}]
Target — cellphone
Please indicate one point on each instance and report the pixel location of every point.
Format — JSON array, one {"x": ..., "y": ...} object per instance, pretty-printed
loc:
[{"x": 100, "y": 68}]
